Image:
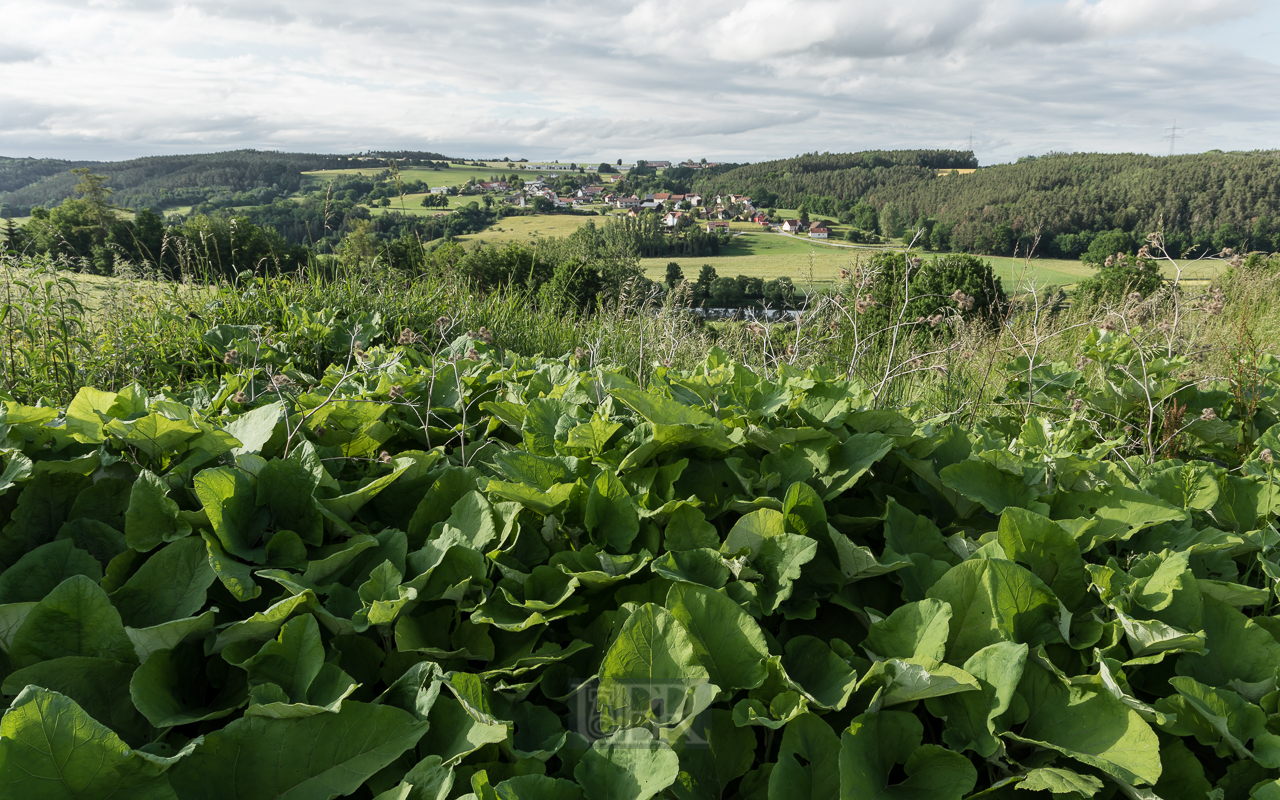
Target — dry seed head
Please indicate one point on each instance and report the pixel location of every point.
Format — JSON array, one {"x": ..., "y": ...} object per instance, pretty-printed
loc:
[
  {"x": 1108, "y": 325},
  {"x": 1135, "y": 297},
  {"x": 384, "y": 457},
  {"x": 1208, "y": 414},
  {"x": 239, "y": 397},
  {"x": 1265, "y": 456},
  {"x": 486, "y": 336},
  {"x": 280, "y": 381},
  {"x": 409, "y": 337},
  {"x": 396, "y": 392},
  {"x": 579, "y": 353},
  {"x": 1109, "y": 262},
  {"x": 443, "y": 322},
  {"x": 230, "y": 357},
  {"x": 472, "y": 355},
  {"x": 1077, "y": 406}
]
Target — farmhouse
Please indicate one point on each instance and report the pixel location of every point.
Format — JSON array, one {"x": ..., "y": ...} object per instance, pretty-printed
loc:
[
  {"x": 672, "y": 218},
  {"x": 712, "y": 227},
  {"x": 819, "y": 231},
  {"x": 793, "y": 226},
  {"x": 759, "y": 218},
  {"x": 626, "y": 202}
]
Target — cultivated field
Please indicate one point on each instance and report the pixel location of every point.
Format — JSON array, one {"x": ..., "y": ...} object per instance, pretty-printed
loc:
[{"x": 453, "y": 176}]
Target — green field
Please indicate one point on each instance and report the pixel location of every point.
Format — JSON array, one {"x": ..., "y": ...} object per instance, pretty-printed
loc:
[{"x": 527, "y": 229}]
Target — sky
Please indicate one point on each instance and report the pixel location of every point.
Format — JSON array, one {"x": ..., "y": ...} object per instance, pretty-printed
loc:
[{"x": 583, "y": 80}]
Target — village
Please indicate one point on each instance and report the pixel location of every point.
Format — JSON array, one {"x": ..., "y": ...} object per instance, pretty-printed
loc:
[{"x": 677, "y": 211}]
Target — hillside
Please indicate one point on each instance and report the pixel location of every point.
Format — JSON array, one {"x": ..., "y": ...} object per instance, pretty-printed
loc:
[
  {"x": 164, "y": 181},
  {"x": 1208, "y": 200}
]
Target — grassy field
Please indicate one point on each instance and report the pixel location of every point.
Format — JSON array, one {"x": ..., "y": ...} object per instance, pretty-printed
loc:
[{"x": 526, "y": 229}]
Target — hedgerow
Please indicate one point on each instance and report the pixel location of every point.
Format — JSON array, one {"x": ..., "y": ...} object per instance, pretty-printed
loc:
[{"x": 475, "y": 574}]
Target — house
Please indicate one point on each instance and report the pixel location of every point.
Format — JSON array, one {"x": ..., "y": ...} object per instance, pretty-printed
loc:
[
  {"x": 662, "y": 197},
  {"x": 627, "y": 202},
  {"x": 792, "y": 226},
  {"x": 653, "y": 206},
  {"x": 694, "y": 199},
  {"x": 672, "y": 218},
  {"x": 659, "y": 164},
  {"x": 819, "y": 231},
  {"x": 712, "y": 227},
  {"x": 759, "y": 218},
  {"x": 496, "y": 186}
]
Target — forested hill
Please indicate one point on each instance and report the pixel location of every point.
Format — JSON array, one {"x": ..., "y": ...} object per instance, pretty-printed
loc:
[
  {"x": 844, "y": 176},
  {"x": 163, "y": 181},
  {"x": 1207, "y": 200}
]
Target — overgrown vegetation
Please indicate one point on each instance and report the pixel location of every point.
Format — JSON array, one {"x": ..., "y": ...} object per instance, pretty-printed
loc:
[{"x": 459, "y": 531}]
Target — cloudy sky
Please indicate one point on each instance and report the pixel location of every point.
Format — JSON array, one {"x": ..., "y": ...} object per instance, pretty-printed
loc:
[{"x": 656, "y": 79}]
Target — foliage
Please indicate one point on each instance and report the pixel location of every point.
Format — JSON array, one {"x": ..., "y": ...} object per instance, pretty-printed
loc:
[
  {"x": 424, "y": 573},
  {"x": 1120, "y": 277},
  {"x": 1056, "y": 204}
]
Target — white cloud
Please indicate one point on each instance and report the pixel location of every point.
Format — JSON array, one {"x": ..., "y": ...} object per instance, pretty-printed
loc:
[{"x": 660, "y": 78}]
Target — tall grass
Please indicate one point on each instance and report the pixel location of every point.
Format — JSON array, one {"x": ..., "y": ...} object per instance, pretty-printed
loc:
[{"x": 56, "y": 337}]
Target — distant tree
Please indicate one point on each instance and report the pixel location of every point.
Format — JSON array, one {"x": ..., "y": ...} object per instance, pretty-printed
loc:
[
  {"x": 1106, "y": 245},
  {"x": 804, "y": 215},
  {"x": 779, "y": 292},
  {"x": 619, "y": 162},
  {"x": 94, "y": 191},
  {"x": 675, "y": 275},
  {"x": 606, "y": 169},
  {"x": 891, "y": 221},
  {"x": 706, "y": 276},
  {"x": 726, "y": 291}
]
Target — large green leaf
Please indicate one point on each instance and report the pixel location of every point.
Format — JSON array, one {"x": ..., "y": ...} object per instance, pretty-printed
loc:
[
  {"x": 1235, "y": 648},
  {"x": 876, "y": 742},
  {"x": 170, "y": 585},
  {"x": 50, "y": 749},
  {"x": 152, "y": 517},
  {"x": 611, "y": 517},
  {"x": 971, "y": 715},
  {"x": 728, "y": 642},
  {"x": 100, "y": 686},
  {"x": 653, "y": 660},
  {"x": 994, "y": 488},
  {"x": 629, "y": 765},
  {"x": 995, "y": 601},
  {"x": 1045, "y": 547},
  {"x": 173, "y": 687},
  {"x": 1090, "y": 726},
  {"x": 313, "y": 758},
  {"x": 229, "y": 500},
  {"x": 75, "y": 619},
  {"x": 38, "y": 572},
  {"x": 912, "y": 630},
  {"x": 712, "y": 753},
  {"x": 808, "y": 761}
]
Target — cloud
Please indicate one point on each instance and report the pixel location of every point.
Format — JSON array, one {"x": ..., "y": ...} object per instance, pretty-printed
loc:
[
  {"x": 584, "y": 79},
  {"x": 16, "y": 53}
]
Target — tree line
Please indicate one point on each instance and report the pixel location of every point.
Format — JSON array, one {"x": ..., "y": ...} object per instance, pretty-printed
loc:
[{"x": 1057, "y": 204}]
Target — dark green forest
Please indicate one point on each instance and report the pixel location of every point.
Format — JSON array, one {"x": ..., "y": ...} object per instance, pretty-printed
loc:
[
  {"x": 1057, "y": 203},
  {"x": 257, "y": 177}
]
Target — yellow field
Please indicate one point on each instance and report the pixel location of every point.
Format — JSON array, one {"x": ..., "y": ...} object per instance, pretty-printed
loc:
[{"x": 453, "y": 176}]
